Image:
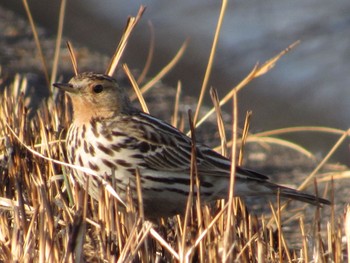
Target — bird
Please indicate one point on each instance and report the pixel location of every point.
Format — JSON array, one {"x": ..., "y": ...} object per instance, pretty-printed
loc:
[{"x": 115, "y": 139}]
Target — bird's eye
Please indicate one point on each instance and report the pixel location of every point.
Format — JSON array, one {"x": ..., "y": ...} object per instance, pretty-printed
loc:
[{"x": 97, "y": 88}]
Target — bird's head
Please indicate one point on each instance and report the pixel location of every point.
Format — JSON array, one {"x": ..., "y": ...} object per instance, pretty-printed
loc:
[{"x": 95, "y": 96}]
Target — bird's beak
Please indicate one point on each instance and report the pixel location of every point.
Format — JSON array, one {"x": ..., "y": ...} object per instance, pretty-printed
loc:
[{"x": 65, "y": 87}]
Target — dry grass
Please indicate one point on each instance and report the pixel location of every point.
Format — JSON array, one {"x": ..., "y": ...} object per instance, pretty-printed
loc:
[{"x": 45, "y": 216}]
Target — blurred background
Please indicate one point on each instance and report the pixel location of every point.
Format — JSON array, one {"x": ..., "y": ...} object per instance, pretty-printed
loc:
[{"x": 309, "y": 86}]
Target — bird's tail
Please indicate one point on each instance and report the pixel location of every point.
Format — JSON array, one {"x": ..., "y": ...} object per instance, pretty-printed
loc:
[{"x": 287, "y": 192}]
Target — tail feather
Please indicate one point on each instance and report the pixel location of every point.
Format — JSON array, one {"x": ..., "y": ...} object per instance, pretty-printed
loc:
[
  {"x": 287, "y": 192},
  {"x": 251, "y": 183}
]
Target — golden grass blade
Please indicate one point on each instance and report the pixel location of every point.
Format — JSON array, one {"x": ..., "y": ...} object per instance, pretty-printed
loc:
[
  {"x": 129, "y": 242},
  {"x": 272, "y": 140},
  {"x": 257, "y": 71},
  {"x": 281, "y": 142},
  {"x": 277, "y": 219},
  {"x": 244, "y": 137},
  {"x": 72, "y": 58},
  {"x": 334, "y": 176},
  {"x": 37, "y": 42},
  {"x": 220, "y": 123},
  {"x": 149, "y": 56},
  {"x": 211, "y": 59},
  {"x": 246, "y": 246},
  {"x": 132, "y": 22},
  {"x": 300, "y": 129},
  {"x": 193, "y": 180},
  {"x": 164, "y": 71},
  {"x": 142, "y": 238},
  {"x": 136, "y": 88},
  {"x": 176, "y": 105},
  {"x": 139, "y": 195},
  {"x": 205, "y": 231},
  {"x": 164, "y": 244},
  {"x": 268, "y": 65},
  {"x": 58, "y": 41},
  {"x": 228, "y": 234},
  {"x": 305, "y": 247},
  {"x": 11, "y": 205},
  {"x": 325, "y": 159}
]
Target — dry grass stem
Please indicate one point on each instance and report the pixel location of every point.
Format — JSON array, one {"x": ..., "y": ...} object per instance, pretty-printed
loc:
[
  {"x": 165, "y": 70},
  {"x": 58, "y": 41},
  {"x": 132, "y": 22},
  {"x": 37, "y": 42},
  {"x": 220, "y": 123},
  {"x": 175, "y": 115},
  {"x": 256, "y": 72},
  {"x": 245, "y": 133},
  {"x": 211, "y": 59},
  {"x": 228, "y": 234},
  {"x": 136, "y": 88},
  {"x": 73, "y": 58},
  {"x": 324, "y": 160}
]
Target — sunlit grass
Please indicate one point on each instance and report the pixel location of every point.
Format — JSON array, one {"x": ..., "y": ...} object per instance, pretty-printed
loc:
[{"x": 46, "y": 216}]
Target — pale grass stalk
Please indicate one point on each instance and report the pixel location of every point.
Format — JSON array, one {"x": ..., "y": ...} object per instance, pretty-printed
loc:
[
  {"x": 58, "y": 41},
  {"x": 136, "y": 88},
  {"x": 129, "y": 243},
  {"x": 37, "y": 41},
  {"x": 165, "y": 70},
  {"x": 253, "y": 238},
  {"x": 330, "y": 234},
  {"x": 211, "y": 59},
  {"x": 193, "y": 175},
  {"x": 205, "y": 231},
  {"x": 288, "y": 130},
  {"x": 256, "y": 72},
  {"x": 261, "y": 251},
  {"x": 281, "y": 142},
  {"x": 29, "y": 240},
  {"x": 228, "y": 236},
  {"x": 327, "y": 177},
  {"x": 176, "y": 106},
  {"x": 164, "y": 244},
  {"x": 11, "y": 205},
  {"x": 73, "y": 58},
  {"x": 199, "y": 216},
  {"x": 271, "y": 140},
  {"x": 141, "y": 214},
  {"x": 245, "y": 133},
  {"x": 132, "y": 22},
  {"x": 281, "y": 241},
  {"x": 220, "y": 123},
  {"x": 324, "y": 160},
  {"x": 142, "y": 237}
]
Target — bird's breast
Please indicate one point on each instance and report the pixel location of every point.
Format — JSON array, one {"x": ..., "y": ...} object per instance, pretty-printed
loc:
[{"x": 102, "y": 150}]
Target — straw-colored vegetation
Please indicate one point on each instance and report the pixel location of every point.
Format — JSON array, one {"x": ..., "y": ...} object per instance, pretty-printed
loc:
[{"x": 45, "y": 216}]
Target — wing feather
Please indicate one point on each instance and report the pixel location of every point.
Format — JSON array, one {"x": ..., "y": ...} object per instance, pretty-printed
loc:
[{"x": 168, "y": 149}]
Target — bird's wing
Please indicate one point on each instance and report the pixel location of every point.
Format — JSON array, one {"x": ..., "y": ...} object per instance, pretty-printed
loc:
[{"x": 165, "y": 148}]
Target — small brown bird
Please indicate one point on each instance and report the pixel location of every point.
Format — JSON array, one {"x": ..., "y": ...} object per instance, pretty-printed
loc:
[{"x": 110, "y": 136}]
